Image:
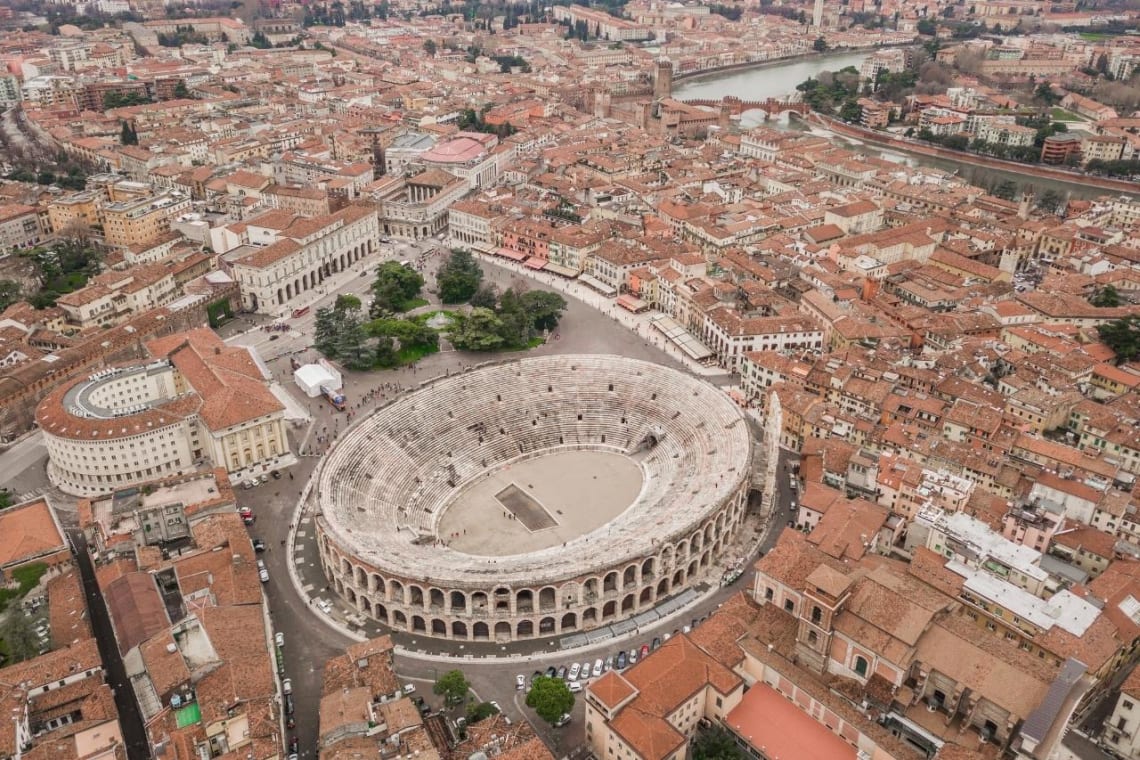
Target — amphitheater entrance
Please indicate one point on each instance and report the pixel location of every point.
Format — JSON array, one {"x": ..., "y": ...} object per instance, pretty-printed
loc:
[{"x": 540, "y": 502}]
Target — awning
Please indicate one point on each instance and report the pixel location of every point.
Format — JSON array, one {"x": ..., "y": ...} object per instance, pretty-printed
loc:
[
  {"x": 535, "y": 262},
  {"x": 598, "y": 285},
  {"x": 560, "y": 270},
  {"x": 512, "y": 255},
  {"x": 632, "y": 303},
  {"x": 682, "y": 338}
]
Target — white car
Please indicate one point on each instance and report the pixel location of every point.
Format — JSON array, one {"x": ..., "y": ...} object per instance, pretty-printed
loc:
[
  {"x": 520, "y": 682},
  {"x": 262, "y": 572},
  {"x": 599, "y": 666},
  {"x": 279, "y": 639},
  {"x": 286, "y": 685},
  {"x": 409, "y": 688},
  {"x": 324, "y": 606},
  {"x": 575, "y": 686},
  {"x": 575, "y": 669}
]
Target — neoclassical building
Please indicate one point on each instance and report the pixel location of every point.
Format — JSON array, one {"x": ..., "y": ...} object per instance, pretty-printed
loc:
[
  {"x": 196, "y": 403},
  {"x": 533, "y": 559}
]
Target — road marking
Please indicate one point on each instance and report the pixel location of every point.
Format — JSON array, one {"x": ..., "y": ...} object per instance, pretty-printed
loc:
[
  {"x": 301, "y": 534},
  {"x": 298, "y": 560},
  {"x": 308, "y": 587}
]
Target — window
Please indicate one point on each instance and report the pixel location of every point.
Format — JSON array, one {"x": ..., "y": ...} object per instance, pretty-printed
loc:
[
  {"x": 861, "y": 666},
  {"x": 1127, "y": 705},
  {"x": 789, "y": 605}
]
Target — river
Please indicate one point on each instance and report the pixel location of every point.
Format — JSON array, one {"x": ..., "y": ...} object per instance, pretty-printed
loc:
[{"x": 778, "y": 80}]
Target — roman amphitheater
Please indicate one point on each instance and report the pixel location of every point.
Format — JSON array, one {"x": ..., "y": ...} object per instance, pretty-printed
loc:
[{"x": 532, "y": 498}]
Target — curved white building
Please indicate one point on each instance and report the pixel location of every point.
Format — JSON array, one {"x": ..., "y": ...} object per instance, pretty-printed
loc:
[{"x": 197, "y": 403}]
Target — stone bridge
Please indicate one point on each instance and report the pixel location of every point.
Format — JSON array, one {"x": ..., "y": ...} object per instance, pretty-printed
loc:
[{"x": 738, "y": 106}]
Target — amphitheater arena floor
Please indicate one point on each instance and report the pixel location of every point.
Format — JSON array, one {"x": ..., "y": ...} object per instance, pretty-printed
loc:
[{"x": 579, "y": 490}]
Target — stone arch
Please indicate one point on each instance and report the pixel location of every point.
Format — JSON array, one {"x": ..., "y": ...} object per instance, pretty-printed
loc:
[
  {"x": 546, "y": 626},
  {"x": 503, "y": 631},
  {"x": 646, "y": 596},
  {"x": 502, "y": 599},
  {"x": 380, "y": 612},
  {"x": 589, "y": 616},
  {"x": 479, "y": 601},
  {"x": 611, "y": 582},
  {"x": 399, "y": 619},
  {"x": 345, "y": 567},
  {"x": 678, "y": 578},
  {"x": 692, "y": 569},
  {"x": 395, "y": 591},
  {"x": 359, "y": 577},
  {"x": 365, "y": 605},
  {"x": 663, "y": 588},
  {"x": 525, "y": 628},
  {"x": 667, "y": 555},
  {"x": 350, "y": 595},
  {"x": 547, "y": 599},
  {"x": 590, "y": 589},
  {"x": 438, "y": 627},
  {"x": 459, "y": 630},
  {"x": 569, "y": 622},
  {"x": 647, "y": 568},
  {"x": 480, "y": 632},
  {"x": 416, "y": 596},
  {"x": 458, "y": 601},
  {"x": 376, "y": 584},
  {"x": 629, "y": 576},
  {"x": 524, "y": 601},
  {"x": 609, "y": 609},
  {"x": 628, "y": 603},
  {"x": 706, "y": 557},
  {"x": 708, "y": 532},
  {"x": 435, "y": 598},
  {"x": 418, "y": 624}
]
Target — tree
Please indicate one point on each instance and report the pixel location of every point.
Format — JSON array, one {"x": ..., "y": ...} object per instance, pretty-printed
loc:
[
  {"x": 1122, "y": 336},
  {"x": 347, "y": 301},
  {"x": 715, "y": 743},
  {"x": 127, "y": 135},
  {"x": 430, "y": 48},
  {"x": 543, "y": 308},
  {"x": 394, "y": 288},
  {"x": 551, "y": 698},
  {"x": 927, "y": 27},
  {"x": 1106, "y": 297},
  {"x": 487, "y": 296},
  {"x": 452, "y": 686},
  {"x": 181, "y": 91},
  {"x": 480, "y": 711},
  {"x": 820, "y": 45},
  {"x": 9, "y": 293},
  {"x": 19, "y": 638},
  {"x": 1006, "y": 190},
  {"x": 851, "y": 112},
  {"x": 325, "y": 331},
  {"x": 1050, "y": 201},
  {"x": 459, "y": 277},
  {"x": 481, "y": 330}
]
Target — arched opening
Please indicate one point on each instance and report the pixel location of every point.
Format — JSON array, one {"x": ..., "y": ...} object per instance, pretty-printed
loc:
[
  {"x": 418, "y": 625},
  {"x": 646, "y": 596},
  {"x": 376, "y": 583},
  {"x": 629, "y": 577},
  {"x": 611, "y": 582},
  {"x": 524, "y": 601},
  {"x": 345, "y": 567},
  {"x": 816, "y": 615},
  {"x": 569, "y": 622},
  {"x": 609, "y": 609},
  {"x": 861, "y": 665},
  {"x": 395, "y": 592},
  {"x": 525, "y": 628},
  {"x": 591, "y": 589},
  {"x": 627, "y": 603},
  {"x": 436, "y": 599},
  {"x": 706, "y": 557},
  {"x": 590, "y": 617},
  {"x": 380, "y": 612},
  {"x": 547, "y": 599},
  {"x": 481, "y": 632},
  {"x": 417, "y": 596},
  {"x": 647, "y": 569},
  {"x": 458, "y": 601},
  {"x": 351, "y": 596},
  {"x": 399, "y": 620},
  {"x": 478, "y": 602},
  {"x": 502, "y": 631},
  {"x": 663, "y": 588},
  {"x": 365, "y": 605},
  {"x": 459, "y": 630},
  {"x": 360, "y": 578},
  {"x": 546, "y": 626},
  {"x": 438, "y": 627},
  {"x": 502, "y": 599},
  {"x": 678, "y": 577},
  {"x": 692, "y": 569}
]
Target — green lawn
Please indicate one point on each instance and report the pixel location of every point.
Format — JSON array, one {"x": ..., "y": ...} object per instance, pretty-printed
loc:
[
  {"x": 1095, "y": 36},
  {"x": 415, "y": 353},
  {"x": 1060, "y": 114},
  {"x": 414, "y": 303}
]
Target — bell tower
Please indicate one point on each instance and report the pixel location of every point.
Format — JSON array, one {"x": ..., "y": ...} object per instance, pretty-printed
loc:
[
  {"x": 825, "y": 593},
  {"x": 663, "y": 79}
]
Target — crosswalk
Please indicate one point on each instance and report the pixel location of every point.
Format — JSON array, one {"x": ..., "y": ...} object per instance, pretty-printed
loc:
[{"x": 29, "y": 495}]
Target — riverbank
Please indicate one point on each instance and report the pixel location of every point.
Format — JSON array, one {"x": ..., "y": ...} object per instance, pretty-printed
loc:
[
  {"x": 914, "y": 147},
  {"x": 696, "y": 76}
]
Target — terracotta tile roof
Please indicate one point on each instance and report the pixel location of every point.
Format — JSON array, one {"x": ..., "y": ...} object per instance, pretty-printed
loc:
[
  {"x": 136, "y": 609},
  {"x": 28, "y": 532},
  {"x": 67, "y": 609},
  {"x": 611, "y": 689}
]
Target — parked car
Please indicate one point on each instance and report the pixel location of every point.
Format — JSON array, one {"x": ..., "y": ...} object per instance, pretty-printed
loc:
[
  {"x": 551, "y": 672},
  {"x": 621, "y": 660},
  {"x": 262, "y": 571},
  {"x": 575, "y": 686},
  {"x": 562, "y": 720},
  {"x": 520, "y": 682},
  {"x": 656, "y": 643},
  {"x": 293, "y": 744},
  {"x": 258, "y": 545},
  {"x": 290, "y": 722},
  {"x": 276, "y": 475},
  {"x": 599, "y": 666},
  {"x": 286, "y": 685},
  {"x": 279, "y": 639},
  {"x": 248, "y": 484},
  {"x": 575, "y": 669},
  {"x": 562, "y": 672},
  {"x": 644, "y": 649},
  {"x": 289, "y": 706},
  {"x": 324, "y": 605},
  {"x": 586, "y": 670},
  {"x": 409, "y": 688},
  {"x": 633, "y": 656}
]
